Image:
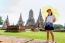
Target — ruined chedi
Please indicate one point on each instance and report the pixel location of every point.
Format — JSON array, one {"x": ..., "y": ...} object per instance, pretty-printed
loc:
[
  {"x": 40, "y": 21},
  {"x": 6, "y": 23}
]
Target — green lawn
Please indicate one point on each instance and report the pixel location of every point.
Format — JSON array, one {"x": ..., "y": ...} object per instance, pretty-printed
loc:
[{"x": 59, "y": 36}]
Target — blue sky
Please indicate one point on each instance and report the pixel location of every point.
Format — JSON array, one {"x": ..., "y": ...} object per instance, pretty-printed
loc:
[{"x": 13, "y": 8}]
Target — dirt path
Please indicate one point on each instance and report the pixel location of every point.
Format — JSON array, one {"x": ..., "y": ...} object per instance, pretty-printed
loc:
[{"x": 11, "y": 39}]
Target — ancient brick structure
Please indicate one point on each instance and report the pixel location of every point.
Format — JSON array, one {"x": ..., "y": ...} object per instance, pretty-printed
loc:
[
  {"x": 16, "y": 28},
  {"x": 31, "y": 22},
  {"x": 6, "y": 23},
  {"x": 40, "y": 21}
]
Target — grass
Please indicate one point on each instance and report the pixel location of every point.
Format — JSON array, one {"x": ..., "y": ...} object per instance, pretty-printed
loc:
[{"x": 59, "y": 36}]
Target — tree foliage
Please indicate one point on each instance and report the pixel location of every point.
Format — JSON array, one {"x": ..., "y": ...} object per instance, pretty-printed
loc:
[
  {"x": 58, "y": 26},
  {"x": 1, "y": 20}
]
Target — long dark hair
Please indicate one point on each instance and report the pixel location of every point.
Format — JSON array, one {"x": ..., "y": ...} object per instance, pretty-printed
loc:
[{"x": 51, "y": 12}]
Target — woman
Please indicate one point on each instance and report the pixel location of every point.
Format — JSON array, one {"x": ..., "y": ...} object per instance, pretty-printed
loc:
[{"x": 50, "y": 19}]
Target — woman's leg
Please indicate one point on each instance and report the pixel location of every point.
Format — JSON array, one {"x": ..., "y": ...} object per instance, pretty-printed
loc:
[
  {"x": 51, "y": 32},
  {"x": 47, "y": 35}
]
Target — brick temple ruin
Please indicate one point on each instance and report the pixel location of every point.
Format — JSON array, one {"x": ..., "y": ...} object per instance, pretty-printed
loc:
[{"x": 31, "y": 24}]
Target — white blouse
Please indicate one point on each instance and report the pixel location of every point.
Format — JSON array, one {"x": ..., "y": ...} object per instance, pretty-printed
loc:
[{"x": 50, "y": 19}]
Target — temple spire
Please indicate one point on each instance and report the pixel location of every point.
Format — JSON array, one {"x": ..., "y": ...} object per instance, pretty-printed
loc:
[
  {"x": 20, "y": 22},
  {"x": 6, "y": 23},
  {"x": 40, "y": 20},
  {"x": 30, "y": 20}
]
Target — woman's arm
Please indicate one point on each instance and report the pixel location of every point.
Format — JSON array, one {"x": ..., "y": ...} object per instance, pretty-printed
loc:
[
  {"x": 45, "y": 19},
  {"x": 54, "y": 18}
]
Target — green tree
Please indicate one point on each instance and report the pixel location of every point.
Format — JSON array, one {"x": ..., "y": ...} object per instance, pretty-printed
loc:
[
  {"x": 1, "y": 21},
  {"x": 64, "y": 25},
  {"x": 58, "y": 26}
]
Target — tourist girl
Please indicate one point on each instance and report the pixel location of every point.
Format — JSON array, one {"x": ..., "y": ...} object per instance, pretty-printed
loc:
[{"x": 49, "y": 20}]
